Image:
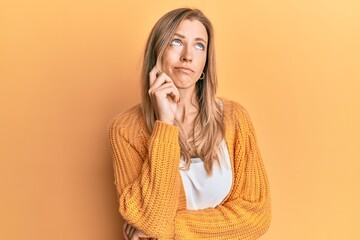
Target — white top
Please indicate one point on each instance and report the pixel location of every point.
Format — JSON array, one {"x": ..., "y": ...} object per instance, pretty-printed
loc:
[{"x": 203, "y": 191}]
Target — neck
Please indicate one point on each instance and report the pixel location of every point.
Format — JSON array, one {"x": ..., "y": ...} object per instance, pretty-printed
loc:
[{"x": 188, "y": 108}]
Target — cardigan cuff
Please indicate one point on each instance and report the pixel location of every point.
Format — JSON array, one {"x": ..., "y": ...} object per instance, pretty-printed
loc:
[{"x": 166, "y": 132}]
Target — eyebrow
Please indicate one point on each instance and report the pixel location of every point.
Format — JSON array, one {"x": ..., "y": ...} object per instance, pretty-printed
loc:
[{"x": 182, "y": 36}]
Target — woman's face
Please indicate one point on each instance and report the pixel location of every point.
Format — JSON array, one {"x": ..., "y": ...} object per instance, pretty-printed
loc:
[{"x": 184, "y": 59}]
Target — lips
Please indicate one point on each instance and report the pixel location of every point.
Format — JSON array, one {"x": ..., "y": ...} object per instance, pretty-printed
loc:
[{"x": 184, "y": 69}]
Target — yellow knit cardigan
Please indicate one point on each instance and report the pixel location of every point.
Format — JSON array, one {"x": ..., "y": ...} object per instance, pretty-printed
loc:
[{"x": 150, "y": 191}]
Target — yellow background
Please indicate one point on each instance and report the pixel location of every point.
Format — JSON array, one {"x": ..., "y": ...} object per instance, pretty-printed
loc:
[{"x": 67, "y": 67}]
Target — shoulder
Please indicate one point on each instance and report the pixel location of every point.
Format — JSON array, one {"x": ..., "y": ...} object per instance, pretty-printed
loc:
[
  {"x": 127, "y": 118},
  {"x": 234, "y": 110},
  {"x": 236, "y": 118},
  {"x": 128, "y": 124}
]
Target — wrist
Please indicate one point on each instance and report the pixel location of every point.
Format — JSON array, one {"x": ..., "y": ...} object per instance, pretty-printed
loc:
[{"x": 167, "y": 121}]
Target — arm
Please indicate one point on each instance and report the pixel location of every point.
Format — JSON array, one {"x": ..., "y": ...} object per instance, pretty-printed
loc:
[
  {"x": 246, "y": 214},
  {"x": 147, "y": 183}
]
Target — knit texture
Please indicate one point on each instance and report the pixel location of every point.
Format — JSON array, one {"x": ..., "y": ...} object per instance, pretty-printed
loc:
[{"x": 150, "y": 191}]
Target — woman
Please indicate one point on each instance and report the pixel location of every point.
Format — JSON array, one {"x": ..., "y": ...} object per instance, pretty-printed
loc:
[{"x": 186, "y": 164}]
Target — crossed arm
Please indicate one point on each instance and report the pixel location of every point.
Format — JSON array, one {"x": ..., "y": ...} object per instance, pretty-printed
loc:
[{"x": 148, "y": 188}]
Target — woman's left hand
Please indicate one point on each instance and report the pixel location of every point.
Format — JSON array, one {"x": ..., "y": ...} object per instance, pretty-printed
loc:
[
  {"x": 138, "y": 235},
  {"x": 132, "y": 233}
]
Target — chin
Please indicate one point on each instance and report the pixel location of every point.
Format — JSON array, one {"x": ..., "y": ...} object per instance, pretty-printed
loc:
[{"x": 184, "y": 83}]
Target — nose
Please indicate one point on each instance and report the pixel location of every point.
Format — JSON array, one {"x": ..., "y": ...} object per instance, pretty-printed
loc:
[{"x": 186, "y": 55}]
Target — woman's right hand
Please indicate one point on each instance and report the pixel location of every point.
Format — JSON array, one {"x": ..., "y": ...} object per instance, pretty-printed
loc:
[{"x": 164, "y": 95}]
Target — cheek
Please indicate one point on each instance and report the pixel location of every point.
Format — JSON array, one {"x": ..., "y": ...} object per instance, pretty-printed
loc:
[
  {"x": 201, "y": 61},
  {"x": 168, "y": 58}
]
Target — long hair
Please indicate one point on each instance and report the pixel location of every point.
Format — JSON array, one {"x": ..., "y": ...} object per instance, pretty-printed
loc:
[{"x": 208, "y": 126}]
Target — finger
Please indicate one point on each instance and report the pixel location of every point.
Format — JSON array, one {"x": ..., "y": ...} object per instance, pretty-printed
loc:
[
  {"x": 132, "y": 232},
  {"x": 134, "y": 237},
  {"x": 168, "y": 90},
  {"x": 153, "y": 74},
  {"x": 166, "y": 86},
  {"x": 160, "y": 82},
  {"x": 160, "y": 79},
  {"x": 124, "y": 231},
  {"x": 152, "y": 91},
  {"x": 158, "y": 65},
  {"x": 128, "y": 229}
]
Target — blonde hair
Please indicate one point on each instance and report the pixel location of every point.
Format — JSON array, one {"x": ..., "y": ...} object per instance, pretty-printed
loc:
[{"x": 208, "y": 129}]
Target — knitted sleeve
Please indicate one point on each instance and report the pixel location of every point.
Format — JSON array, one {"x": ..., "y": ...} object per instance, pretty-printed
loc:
[
  {"x": 147, "y": 187},
  {"x": 246, "y": 213}
]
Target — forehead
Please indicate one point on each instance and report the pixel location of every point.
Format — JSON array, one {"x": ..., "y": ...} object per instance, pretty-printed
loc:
[{"x": 192, "y": 29}]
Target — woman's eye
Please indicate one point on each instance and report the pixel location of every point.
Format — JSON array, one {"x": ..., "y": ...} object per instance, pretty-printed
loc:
[
  {"x": 176, "y": 42},
  {"x": 200, "y": 46}
]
